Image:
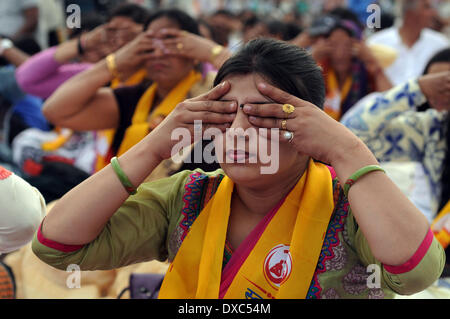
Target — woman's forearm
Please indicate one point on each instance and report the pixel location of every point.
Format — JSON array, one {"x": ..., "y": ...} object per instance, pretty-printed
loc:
[
  {"x": 392, "y": 225},
  {"x": 41, "y": 74},
  {"x": 80, "y": 215},
  {"x": 75, "y": 94},
  {"x": 66, "y": 51},
  {"x": 15, "y": 56}
]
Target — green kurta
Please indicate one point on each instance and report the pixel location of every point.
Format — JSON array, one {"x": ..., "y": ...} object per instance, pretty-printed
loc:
[{"x": 152, "y": 225}]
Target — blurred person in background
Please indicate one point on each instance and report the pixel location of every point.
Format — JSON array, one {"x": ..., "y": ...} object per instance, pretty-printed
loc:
[
  {"x": 84, "y": 103},
  {"x": 350, "y": 68},
  {"x": 19, "y": 18},
  {"x": 43, "y": 73},
  {"x": 19, "y": 109},
  {"x": 408, "y": 130},
  {"x": 23, "y": 209},
  {"x": 228, "y": 28},
  {"x": 412, "y": 38},
  {"x": 72, "y": 155}
]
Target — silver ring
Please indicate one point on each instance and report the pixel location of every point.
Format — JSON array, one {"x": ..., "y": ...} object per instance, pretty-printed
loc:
[{"x": 289, "y": 136}]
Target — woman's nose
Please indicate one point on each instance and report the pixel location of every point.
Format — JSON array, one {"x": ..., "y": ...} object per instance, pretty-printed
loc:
[
  {"x": 239, "y": 127},
  {"x": 241, "y": 120}
]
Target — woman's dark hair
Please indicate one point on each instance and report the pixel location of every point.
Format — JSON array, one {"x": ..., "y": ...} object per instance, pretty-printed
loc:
[
  {"x": 445, "y": 179},
  {"x": 89, "y": 22},
  {"x": 286, "y": 66},
  {"x": 185, "y": 21},
  {"x": 132, "y": 11},
  {"x": 347, "y": 14},
  {"x": 441, "y": 56}
]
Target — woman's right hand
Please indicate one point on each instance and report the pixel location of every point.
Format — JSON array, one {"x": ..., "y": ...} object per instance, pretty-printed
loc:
[
  {"x": 205, "y": 108},
  {"x": 130, "y": 58},
  {"x": 436, "y": 88}
]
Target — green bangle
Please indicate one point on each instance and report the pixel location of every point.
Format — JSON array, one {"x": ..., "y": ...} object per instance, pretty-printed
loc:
[
  {"x": 358, "y": 174},
  {"x": 122, "y": 176}
]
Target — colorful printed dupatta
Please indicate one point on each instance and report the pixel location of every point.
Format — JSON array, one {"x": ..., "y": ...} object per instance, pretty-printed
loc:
[{"x": 284, "y": 258}]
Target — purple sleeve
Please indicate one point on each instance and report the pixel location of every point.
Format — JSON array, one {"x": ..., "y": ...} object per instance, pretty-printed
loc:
[{"x": 41, "y": 74}]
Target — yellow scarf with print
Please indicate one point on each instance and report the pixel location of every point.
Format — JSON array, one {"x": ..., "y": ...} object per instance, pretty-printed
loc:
[
  {"x": 142, "y": 124},
  {"x": 284, "y": 259}
]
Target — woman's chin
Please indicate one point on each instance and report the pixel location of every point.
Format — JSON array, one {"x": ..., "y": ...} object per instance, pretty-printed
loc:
[{"x": 244, "y": 174}]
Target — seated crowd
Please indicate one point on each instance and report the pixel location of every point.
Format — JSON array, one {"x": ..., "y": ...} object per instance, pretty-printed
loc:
[{"x": 94, "y": 174}]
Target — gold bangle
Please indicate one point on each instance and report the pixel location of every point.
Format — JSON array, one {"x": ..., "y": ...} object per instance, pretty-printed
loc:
[
  {"x": 111, "y": 64},
  {"x": 215, "y": 51}
]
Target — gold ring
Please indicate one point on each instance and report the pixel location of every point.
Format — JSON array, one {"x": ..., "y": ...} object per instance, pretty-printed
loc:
[
  {"x": 284, "y": 125},
  {"x": 180, "y": 46},
  {"x": 288, "y": 108}
]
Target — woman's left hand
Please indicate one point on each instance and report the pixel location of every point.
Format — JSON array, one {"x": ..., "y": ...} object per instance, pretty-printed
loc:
[
  {"x": 182, "y": 43},
  {"x": 315, "y": 133}
]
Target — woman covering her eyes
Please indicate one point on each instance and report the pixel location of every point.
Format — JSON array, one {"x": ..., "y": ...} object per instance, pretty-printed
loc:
[
  {"x": 306, "y": 230},
  {"x": 128, "y": 113}
]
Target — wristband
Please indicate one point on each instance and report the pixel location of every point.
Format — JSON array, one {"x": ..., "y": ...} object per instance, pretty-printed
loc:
[
  {"x": 122, "y": 176},
  {"x": 358, "y": 174},
  {"x": 80, "y": 47}
]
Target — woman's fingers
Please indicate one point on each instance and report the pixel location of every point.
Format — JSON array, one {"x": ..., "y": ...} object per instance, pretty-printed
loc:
[
  {"x": 170, "y": 33},
  {"x": 265, "y": 110},
  {"x": 266, "y": 122},
  {"x": 209, "y": 117},
  {"x": 212, "y": 106},
  {"x": 280, "y": 96},
  {"x": 215, "y": 93}
]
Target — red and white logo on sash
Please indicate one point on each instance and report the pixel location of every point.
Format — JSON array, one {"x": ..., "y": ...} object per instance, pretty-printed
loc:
[{"x": 278, "y": 265}]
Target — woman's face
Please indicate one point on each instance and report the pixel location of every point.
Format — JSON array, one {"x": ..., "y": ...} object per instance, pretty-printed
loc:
[
  {"x": 244, "y": 150},
  {"x": 166, "y": 70},
  {"x": 341, "y": 57},
  {"x": 438, "y": 67}
]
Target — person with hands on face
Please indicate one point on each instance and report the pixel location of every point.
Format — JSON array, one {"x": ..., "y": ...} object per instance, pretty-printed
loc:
[
  {"x": 410, "y": 124},
  {"x": 351, "y": 70},
  {"x": 308, "y": 230},
  {"x": 44, "y": 72},
  {"x": 193, "y": 46},
  {"x": 83, "y": 103}
]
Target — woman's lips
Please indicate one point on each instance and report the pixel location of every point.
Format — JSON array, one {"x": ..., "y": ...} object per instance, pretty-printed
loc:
[
  {"x": 238, "y": 156},
  {"x": 158, "y": 66}
]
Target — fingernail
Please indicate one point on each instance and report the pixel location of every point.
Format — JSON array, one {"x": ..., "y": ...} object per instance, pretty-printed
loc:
[
  {"x": 262, "y": 85},
  {"x": 247, "y": 108}
]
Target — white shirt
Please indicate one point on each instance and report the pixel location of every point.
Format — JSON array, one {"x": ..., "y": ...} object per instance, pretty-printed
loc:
[
  {"x": 22, "y": 209},
  {"x": 410, "y": 62},
  {"x": 11, "y": 15}
]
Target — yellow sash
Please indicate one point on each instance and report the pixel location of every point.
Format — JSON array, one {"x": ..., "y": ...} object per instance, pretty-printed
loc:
[
  {"x": 443, "y": 236},
  {"x": 141, "y": 124},
  {"x": 335, "y": 97},
  {"x": 136, "y": 78},
  {"x": 284, "y": 259},
  {"x": 64, "y": 134}
]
